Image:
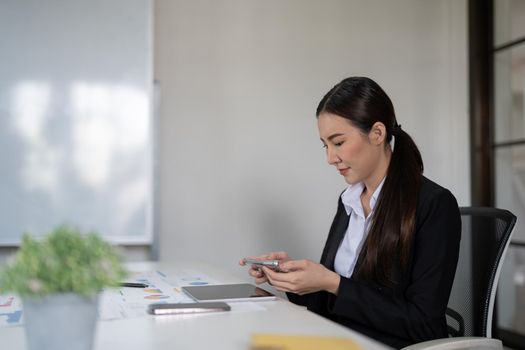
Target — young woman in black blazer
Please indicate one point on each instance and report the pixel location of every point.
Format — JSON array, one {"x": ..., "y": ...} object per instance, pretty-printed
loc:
[{"x": 390, "y": 257}]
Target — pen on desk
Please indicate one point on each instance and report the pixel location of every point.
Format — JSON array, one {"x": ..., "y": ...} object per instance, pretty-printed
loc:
[{"x": 133, "y": 285}]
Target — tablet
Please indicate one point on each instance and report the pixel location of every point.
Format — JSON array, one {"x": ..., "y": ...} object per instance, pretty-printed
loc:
[{"x": 228, "y": 292}]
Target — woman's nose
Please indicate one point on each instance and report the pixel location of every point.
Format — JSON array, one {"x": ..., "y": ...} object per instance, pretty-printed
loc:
[{"x": 332, "y": 156}]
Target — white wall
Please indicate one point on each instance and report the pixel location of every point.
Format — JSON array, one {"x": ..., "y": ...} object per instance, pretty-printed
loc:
[{"x": 242, "y": 168}]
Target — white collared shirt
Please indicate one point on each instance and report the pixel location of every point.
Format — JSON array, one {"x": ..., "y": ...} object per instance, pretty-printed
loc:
[{"x": 358, "y": 227}]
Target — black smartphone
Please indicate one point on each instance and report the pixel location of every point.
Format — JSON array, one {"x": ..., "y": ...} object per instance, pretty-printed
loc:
[{"x": 187, "y": 308}]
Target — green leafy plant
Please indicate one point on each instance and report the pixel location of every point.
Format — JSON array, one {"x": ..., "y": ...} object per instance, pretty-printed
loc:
[{"x": 66, "y": 261}]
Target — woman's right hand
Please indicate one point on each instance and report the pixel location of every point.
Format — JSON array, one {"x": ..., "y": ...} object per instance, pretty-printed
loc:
[{"x": 256, "y": 272}]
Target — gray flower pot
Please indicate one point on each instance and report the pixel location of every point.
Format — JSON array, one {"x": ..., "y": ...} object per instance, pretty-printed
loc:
[{"x": 60, "y": 322}]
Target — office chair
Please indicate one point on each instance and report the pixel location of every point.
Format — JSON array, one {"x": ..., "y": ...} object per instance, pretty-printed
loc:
[{"x": 485, "y": 236}]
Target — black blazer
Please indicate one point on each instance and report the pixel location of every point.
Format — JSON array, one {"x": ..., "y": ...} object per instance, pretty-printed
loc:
[{"x": 413, "y": 310}]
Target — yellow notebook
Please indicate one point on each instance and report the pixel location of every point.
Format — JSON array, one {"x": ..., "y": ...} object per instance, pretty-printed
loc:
[{"x": 300, "y": 342}]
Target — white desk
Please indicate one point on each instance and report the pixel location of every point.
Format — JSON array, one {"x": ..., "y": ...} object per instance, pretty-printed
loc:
[{"x": 221, "y": 331}]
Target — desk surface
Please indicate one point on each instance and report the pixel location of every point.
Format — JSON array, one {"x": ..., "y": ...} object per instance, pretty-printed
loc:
[{"x": 221, "y": 331}]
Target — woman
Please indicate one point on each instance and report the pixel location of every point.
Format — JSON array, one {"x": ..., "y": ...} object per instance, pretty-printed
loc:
[{"x": 389, "y": 261}]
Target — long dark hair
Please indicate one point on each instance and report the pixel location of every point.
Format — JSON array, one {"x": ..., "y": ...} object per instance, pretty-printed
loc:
[{"x": 388, "y": 245}]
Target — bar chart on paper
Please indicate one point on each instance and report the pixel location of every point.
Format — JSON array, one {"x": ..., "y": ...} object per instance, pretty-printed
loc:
[
  {"x": 10, "y": 310},
  {"x": 133, "y": 302}
]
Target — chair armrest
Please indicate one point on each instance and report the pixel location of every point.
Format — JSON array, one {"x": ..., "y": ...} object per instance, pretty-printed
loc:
[{"x": 480, "y": 343}]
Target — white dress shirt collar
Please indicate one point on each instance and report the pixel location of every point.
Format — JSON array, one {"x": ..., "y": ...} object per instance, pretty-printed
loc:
[{"x": 351, "y": 198}]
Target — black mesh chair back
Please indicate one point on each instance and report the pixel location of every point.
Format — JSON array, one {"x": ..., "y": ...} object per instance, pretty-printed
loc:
[{"x": 485, "y": 237}]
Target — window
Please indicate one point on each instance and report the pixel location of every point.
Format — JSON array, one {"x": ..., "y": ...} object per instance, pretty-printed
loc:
[{"x": 508, "y": 154}]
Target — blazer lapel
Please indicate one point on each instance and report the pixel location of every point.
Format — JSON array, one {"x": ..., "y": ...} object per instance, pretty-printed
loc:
[{"x": 335, "y": 237}]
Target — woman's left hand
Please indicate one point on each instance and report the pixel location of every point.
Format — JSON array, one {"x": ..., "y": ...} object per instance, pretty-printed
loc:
[{"x": 303, "y": 277}]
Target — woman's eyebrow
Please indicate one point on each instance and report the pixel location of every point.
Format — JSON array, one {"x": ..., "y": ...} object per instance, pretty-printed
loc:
[{"x": 329, "y": 138}]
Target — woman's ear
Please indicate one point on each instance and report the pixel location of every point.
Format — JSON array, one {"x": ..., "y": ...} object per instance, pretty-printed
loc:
[{"x": 377, "y": 134}]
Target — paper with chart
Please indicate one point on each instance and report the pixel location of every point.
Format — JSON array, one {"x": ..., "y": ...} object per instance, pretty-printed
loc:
[
  {"x": 133, "y": 302},
  {"x": 10, "y": 310}
]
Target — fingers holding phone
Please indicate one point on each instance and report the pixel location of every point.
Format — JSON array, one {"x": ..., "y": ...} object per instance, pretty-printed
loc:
[
  {"x": 281, "y": 256},
  {"x": 270, "y": 260},
  {"x": 254, "y": 271},
  {"x": 271, "y": 264}
]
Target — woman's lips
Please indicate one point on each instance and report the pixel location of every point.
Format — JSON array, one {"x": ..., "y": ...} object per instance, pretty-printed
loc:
[{"x": 343, "y": 171}]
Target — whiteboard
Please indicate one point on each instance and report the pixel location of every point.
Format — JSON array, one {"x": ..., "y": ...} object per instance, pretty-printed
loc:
[{"x": 76, "y": 120}]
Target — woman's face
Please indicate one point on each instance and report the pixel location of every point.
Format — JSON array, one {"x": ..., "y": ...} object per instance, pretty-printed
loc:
[{"x": 355, "y": 155}]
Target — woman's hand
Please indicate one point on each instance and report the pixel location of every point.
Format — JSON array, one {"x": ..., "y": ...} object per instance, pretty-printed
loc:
[
  {"x": 302, "y": 277},
  {"x": 256, "y": 271}
]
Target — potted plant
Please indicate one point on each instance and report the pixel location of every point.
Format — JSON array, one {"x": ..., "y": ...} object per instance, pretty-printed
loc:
[{"x": 59, "y": 279}]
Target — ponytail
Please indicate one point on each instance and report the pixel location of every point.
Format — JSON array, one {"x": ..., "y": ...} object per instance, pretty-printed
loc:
[{"x": 394, "y": 219}]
